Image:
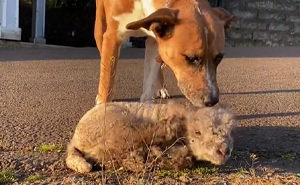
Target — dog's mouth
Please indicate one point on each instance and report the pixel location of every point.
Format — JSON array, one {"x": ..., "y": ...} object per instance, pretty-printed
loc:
[
  {"x": 199, "y": 97},
  {"x": 194, "y": 96}
]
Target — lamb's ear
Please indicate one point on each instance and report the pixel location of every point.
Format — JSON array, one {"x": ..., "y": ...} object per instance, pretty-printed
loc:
[
  {"x": 227, "y": 114},
  {"x": 224, "y": 16},
  {"x": 232, "y": 124},
  {"x": 161, "y": 22}
]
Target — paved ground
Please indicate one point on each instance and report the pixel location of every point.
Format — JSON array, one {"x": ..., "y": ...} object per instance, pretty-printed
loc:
[{"x": 45, "y": 91}]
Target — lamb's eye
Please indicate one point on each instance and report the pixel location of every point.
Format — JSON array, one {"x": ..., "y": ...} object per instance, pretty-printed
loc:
[
  {"x": 197, "y": 132},
  {"x": 193, "y": 60}
]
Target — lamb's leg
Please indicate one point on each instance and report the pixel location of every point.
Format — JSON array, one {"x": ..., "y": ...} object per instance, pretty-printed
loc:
[
  {"x": 135, "y": 161},
  {"x": 76, "y": 161},
  {"x": 175, "y": 158}
]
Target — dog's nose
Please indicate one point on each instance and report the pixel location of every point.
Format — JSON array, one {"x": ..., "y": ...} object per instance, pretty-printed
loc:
[{"x": 209, "y": 102}]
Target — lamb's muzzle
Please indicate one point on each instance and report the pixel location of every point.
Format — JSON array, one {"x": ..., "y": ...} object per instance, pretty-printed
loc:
[{"x": 132, "y": 135}]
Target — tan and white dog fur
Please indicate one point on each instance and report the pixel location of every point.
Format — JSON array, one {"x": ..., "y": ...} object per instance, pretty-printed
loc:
[{"x": 188, "y": 36}]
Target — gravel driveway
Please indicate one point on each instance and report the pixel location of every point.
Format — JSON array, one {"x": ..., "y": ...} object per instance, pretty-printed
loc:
[{"x": 44, "y": 91}]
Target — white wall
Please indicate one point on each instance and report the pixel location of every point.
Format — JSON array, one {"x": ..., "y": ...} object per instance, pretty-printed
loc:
[
  {"x": 9, "y": 20},
  {"x": 38, "y": 22},
  {"x": 1, "y": 10}
]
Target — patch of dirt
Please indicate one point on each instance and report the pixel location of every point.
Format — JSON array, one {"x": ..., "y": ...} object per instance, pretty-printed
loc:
[{"x": 241, "y": 169}]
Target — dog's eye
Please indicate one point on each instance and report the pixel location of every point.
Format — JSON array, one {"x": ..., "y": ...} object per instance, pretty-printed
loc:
[
  {"x": 219, "y": 58},
  {"x": 193, "y": 60},
  {"x": 198, "y": 132}
]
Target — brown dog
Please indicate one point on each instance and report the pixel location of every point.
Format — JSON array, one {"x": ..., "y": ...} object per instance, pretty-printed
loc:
[{"x": 188, "y": 35}]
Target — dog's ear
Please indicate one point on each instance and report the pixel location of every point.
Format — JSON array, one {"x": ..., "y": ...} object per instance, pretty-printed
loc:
[
  {"x": 224, "y": 16},
  {"x": 161, "y": 22}
]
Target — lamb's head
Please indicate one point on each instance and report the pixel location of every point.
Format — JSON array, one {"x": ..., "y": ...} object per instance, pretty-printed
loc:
[{"x": 209, "y": 133}]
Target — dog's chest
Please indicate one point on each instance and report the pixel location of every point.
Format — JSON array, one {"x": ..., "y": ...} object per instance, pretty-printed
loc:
[{"x": 141, "y": 9}]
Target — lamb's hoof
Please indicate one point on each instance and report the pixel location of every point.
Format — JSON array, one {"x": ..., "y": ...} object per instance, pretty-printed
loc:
[
  {"x": 78, "y": 164},
  {"x": 84, "y": 168},
  {"x": 162, "y": 94}
]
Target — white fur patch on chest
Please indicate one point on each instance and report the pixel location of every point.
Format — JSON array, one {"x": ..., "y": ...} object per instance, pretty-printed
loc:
[
  {"x": 141, "y": 9},
  {"x": 148, "y": 7}
]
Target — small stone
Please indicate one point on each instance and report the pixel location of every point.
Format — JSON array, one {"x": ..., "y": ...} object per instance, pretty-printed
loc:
[
  {"x": 185, "y": 179},
  {"x": 221, "y": 183}
]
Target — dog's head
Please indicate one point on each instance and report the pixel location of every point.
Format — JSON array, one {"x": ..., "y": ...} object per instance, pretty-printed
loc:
[{"x": 191, "y": 39}]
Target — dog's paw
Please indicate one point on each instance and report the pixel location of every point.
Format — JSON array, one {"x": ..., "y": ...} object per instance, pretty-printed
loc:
[
  {"x": 162, "y": 94},
  {"x": 98, "y": 100}
]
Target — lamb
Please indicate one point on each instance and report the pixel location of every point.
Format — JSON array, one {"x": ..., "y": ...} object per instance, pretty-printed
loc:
[{"x": 134, "y": 134}]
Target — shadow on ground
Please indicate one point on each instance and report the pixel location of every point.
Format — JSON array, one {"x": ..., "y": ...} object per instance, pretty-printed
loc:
[
  {"x": 268, "y": 140},
  {"x": 272, "y": 148},
  {"x": 275, "y": 147},
  {"x": 263, "y": 92},
  {"x": 180, "y": 96},
  {"x": 69, "y": 53},
  {"x": 276, "y": 115},
  {"x": 61, "y": 53}
]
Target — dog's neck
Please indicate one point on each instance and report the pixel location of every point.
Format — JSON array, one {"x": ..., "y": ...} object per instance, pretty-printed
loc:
[{"x": 169, "y": 3}]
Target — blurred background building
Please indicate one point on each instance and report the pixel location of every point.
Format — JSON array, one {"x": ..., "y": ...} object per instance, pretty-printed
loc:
[{"x": 71, "y": 22}]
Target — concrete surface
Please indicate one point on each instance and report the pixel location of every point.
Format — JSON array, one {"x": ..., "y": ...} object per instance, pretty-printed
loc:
[{"x": 45, "y": 91}]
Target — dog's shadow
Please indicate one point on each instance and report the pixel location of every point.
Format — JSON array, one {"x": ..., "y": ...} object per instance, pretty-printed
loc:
[{"x": 275, "y": 148}]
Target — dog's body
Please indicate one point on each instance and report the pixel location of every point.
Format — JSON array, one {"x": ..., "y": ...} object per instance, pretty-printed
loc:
[{"x": 188, "y": 35}]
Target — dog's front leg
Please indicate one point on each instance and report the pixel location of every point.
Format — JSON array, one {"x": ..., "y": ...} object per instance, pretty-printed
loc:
[
  {"x": 162, "y": 92},
  {"x": 109, "y": 58},
  {"x": 150, "y": 52},
  {"x": 153, "y": 77}
]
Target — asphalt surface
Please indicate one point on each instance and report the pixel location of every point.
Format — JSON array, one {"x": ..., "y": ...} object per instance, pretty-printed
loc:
[{"x": 44, "y": 91}]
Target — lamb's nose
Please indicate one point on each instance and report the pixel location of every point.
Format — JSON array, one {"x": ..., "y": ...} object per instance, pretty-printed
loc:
[{"x": 223, "y": 150}]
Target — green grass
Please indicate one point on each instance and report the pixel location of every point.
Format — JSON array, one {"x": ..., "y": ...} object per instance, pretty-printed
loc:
[
  {"x": 35, "y": 177},
  {"x": 236, "y": 155},
  {"x": 289, "y": 156},
  {"x": 196, "y": 171},
  {"x": 7, "y": 176},
  {"x": 241, "y": 171},
  {"x": 50, "y": 148}
]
